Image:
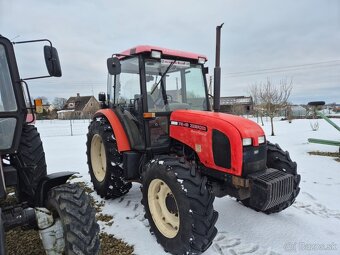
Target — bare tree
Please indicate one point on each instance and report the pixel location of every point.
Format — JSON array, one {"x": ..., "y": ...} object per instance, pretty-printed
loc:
[
  {"x": 274, "y": 98},
  {"x": 255, "y": 94},
  {"x": 59, "y": 102}
]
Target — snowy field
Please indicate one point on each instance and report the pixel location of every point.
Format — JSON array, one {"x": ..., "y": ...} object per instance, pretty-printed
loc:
[{"x": 310, "y": 226}]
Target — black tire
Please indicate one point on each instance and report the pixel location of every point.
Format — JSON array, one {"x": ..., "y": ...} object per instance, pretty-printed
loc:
[
  {"x": 30, "y": 163},
  {"x": 187, "y": 225},
  {"x": 280, "y": 160},
  {"x": 316, "y": 103},
  {"x": 72, "y": 206},
  {"x": 108, "y": 182}
]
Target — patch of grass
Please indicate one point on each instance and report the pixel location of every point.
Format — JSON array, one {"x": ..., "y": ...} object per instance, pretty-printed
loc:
[
  {"x": 104, "y": 217},
  {"x": 112, "y": 245},
  {"x": 335, "y": 155}
]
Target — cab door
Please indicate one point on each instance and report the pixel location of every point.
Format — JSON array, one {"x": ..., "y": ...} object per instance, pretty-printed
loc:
[{"x": 12, "y": 110}]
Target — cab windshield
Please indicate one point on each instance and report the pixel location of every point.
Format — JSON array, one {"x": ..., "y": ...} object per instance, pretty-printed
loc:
[
  {"x": 7, "y": 103},
  {"x": 7, "y": 99},
  {"x": 174, "y": 85}
]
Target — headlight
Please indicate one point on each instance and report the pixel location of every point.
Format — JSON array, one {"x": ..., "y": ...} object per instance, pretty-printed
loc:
[
  {"x": 262, "y": 139},
  {"x": 201, "y": 60},
  {"x": 246, "y": 141},
  {"x": 156, "y": 54}
]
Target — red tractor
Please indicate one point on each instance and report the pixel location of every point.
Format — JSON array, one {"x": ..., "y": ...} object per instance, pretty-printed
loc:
[{"x": 156, "y": 127}]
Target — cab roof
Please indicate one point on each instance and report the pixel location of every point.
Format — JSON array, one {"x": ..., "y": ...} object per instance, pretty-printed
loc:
[{"x": 168, "y": 52}]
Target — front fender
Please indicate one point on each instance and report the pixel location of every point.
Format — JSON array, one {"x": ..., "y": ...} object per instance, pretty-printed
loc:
[
  {"x": 123, "y": 143},
  {"x": 47, "y": 183}
]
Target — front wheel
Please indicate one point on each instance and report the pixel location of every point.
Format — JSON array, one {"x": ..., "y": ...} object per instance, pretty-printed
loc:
[
  {"x": 178, "y": 206},
  {"x": 71, "y": 206},
  {"x": 280, "y": 160}
]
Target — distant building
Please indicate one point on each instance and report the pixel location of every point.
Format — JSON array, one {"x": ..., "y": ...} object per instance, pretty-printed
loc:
[
  {"x": 47, "y": 107},
  {"x": 297, "y": 111},
  {"x": 79, "y": 107},
  {"x": 237, "y": 105}
]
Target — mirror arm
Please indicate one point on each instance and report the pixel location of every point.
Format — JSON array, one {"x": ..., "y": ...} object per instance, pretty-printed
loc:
[
  {"x": 38, "y": 77},
  {"x": 32, "y": 41},
  {"x": 30, "y": 101}
]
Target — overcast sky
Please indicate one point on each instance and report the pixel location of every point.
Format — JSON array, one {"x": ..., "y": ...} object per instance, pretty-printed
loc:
[{"x": 293, "y": 39}]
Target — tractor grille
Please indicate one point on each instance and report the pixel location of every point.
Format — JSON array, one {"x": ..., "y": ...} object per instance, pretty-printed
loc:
[
  {"x": 254, "y": 159},
  {"x": 270, "y": 188},
  {"x": 221, "y": 149}
]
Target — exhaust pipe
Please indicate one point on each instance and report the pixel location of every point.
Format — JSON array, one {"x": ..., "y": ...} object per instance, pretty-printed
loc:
[{"x": 217, "y": 70}]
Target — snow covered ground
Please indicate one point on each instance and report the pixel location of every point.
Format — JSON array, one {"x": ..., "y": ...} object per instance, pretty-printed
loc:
[{"x": 310, "y": 226}]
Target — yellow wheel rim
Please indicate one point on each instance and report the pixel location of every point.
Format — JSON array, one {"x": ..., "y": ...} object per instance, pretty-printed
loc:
[
  {"x": 98, "y": 157},
  {"x": 163, "y": 208}
]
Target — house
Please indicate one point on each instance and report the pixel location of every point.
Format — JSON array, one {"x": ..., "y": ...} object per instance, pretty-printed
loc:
[
  {"x": 237, "y": 105},
  {"x": 79, "y": 107},
  {"x": 47, "y": 107}
]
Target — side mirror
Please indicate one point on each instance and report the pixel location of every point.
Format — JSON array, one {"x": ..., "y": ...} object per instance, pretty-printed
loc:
[
  {"x": 52, "y": 61},
  {"x": 101, "y": 97},
  {"x": 114, "y": 66}
]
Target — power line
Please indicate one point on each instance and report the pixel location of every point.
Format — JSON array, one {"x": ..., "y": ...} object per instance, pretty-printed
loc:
[{"x": 322, "y": 64}]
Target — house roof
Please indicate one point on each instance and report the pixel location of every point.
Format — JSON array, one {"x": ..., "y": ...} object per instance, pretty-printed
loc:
[{"x": 78, "y": 101}]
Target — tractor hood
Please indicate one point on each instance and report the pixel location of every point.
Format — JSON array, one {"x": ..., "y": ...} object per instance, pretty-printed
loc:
[
  {"x": 214, "y": 136},
  {"x": 246, "y": 128}
]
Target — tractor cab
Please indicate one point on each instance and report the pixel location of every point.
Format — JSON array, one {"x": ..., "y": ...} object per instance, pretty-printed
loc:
[
  {"x": 11, "y": 115},
  {"x": 15, "y": 101},
  {"x": 146, "y": 84}
]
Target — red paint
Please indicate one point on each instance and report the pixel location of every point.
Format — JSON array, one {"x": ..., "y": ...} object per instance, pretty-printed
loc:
[
  {"x": 121, "y": 137},
  {"x": 236, "y": 128},
  {"x": 168, "y": 52},
  {"x": 30, "y": 118}
]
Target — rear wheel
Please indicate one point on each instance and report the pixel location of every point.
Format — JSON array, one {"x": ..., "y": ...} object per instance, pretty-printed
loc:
[
  {"x": 71, "y": 205},
  {"x": 30, "y": 163},
  {"x": 105, "y": 161},
  {"x": 178, "y": 206}
]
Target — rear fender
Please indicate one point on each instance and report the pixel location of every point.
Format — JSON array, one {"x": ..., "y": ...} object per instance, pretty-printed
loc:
[
  {"x": 123, "y": 143},
  {"x": 47, "y": 183}
]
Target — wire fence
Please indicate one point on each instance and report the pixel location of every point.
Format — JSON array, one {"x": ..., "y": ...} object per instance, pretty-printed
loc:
[{"x": 54, "y": 128}]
